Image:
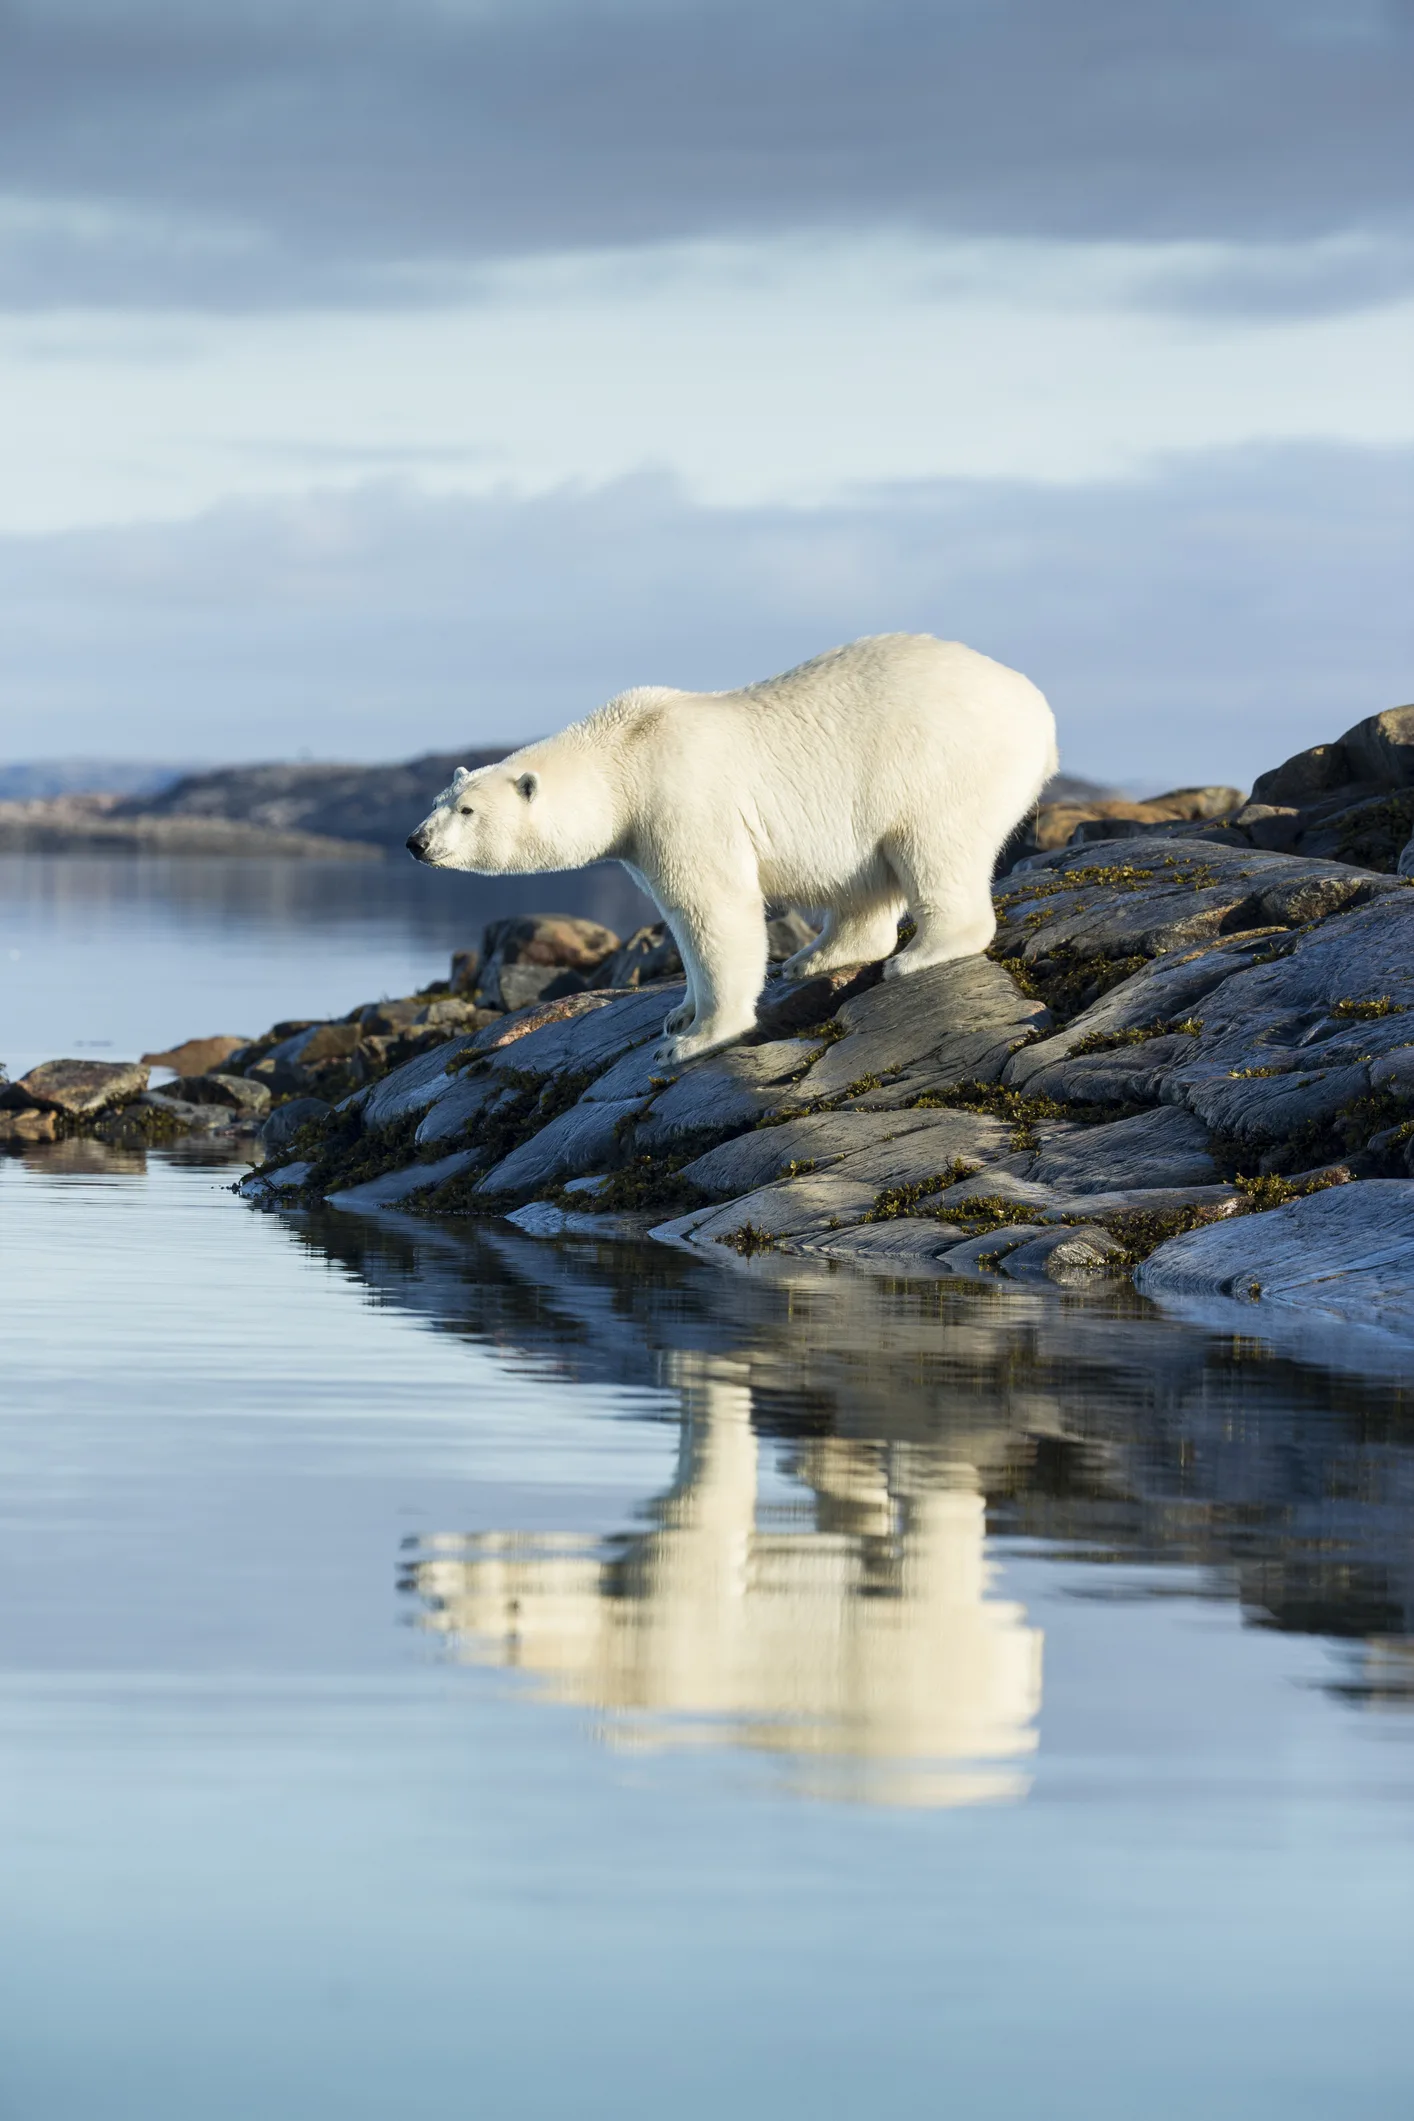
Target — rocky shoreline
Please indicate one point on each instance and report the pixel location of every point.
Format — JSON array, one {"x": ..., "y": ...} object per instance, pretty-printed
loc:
[{"x": 1187, "y": 1059}]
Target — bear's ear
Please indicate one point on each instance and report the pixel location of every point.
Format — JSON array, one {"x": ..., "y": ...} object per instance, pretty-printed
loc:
[
  {"x": 529, "y": 786},
  {"x": 461, "y": 775}
]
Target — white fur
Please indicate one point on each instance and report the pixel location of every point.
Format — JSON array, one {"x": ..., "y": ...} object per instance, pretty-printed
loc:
[{"x": 882, "y": 776}]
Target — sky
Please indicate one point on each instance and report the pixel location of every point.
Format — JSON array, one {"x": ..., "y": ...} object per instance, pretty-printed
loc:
[{"x": 385, "y": 378}]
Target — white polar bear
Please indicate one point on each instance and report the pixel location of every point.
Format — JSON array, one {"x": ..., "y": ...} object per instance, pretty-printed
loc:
[{"x": 881, "y": 776}]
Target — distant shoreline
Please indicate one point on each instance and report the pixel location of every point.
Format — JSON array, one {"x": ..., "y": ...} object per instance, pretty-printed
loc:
[{"x": 87, "y": 825}]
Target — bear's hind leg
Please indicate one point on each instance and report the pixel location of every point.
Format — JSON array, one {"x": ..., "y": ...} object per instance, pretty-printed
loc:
[
  {"x": 859, "y": 935},
  {"x": 949, "y": 902}
]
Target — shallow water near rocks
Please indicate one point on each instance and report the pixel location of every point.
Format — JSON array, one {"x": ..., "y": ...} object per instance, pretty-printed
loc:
[{"x": 556, "y": 1679}]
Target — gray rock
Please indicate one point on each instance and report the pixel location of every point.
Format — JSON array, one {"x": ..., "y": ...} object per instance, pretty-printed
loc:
[
  {"x": 984, "y": 1253},
  {"x": 238, "y": 1092},
  {"x": 1345, "y": 1254},
  {"x": 411, "y": 1088},
  {"x": 588, "y": 1043},
  {"x": 1178, "y": 894},
  {"x": 649, "y": 955},
  {"x": 453, "y": 1110},
  {"x": 1394, "y": 1071},
  {"x": 725, "y": 1093},
  {"x": 284, "y": 1123},
  {"x": 1274, "y": 1108},
  {"x": 584, "y": 1138},
  {"x": 1169, "y": 1147},
  {"x": 821, "y": 1138},
  {"x": 1070, "y": 1257},
  {"x": 264, "y": 1185},
  {"x": 912, "y": 1249},
  {"x": 80, "y": 1088},
  {"x": 964, "y": 1018},
  {"x": 939, "y": 1140},
  {"x": 523, "y": 957},
  {"x": 794, "y": 1209},
  {"x": 391, "y": 1187}
]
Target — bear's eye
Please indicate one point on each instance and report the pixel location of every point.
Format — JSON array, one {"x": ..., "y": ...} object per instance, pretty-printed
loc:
[{"x": 465, "y": 810}]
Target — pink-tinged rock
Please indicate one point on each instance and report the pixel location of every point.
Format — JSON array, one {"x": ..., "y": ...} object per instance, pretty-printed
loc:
[
  {"x": 196, "y": 1056},
  {"x": 81, "y": 1087},
  {"x": 511, "y": 1028}
]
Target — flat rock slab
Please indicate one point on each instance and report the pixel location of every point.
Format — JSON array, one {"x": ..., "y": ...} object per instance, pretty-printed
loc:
[
  {"x": 593, "y": 1040},
  {"x": 585, "y": 1138},
  {"x": 80, "y": 1088},
  {"x": 1146, "y": 898},
  {"x": 452, "y": 1110},
  {"x": 394, "y": 1186},
  {"x": 819, "y": 1138},
  {"x": 724, "y": 1094},
  {"x": 793, "y": 1210},
  {"x": 411, "y": 1088},
  {"x": 927, "y": 1150},
  {"x": 965, "y": 1018},
  {"x": 508, "y": 1030},
  {"x": 1272, "y": 1108},
  {"x": 1167, "y": 1147},
  {"x": 1346, "y": 1254}
]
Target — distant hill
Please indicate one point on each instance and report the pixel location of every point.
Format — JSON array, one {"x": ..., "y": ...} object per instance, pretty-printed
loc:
[
  {"x": 32, "y": 780},
  {"x": 376, "y": 804}
]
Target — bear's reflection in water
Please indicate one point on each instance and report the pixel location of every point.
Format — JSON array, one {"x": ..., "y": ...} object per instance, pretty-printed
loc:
[
  {"x": 854, "y": 1627},
  {"x": 856, "y": 1634}
]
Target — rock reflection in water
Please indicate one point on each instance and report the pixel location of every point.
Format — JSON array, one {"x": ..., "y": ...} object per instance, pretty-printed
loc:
[{"x": 856, "y": 1635}]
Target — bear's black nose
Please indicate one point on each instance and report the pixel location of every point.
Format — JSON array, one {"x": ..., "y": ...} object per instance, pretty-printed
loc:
[{"x": 417, "y": 842}]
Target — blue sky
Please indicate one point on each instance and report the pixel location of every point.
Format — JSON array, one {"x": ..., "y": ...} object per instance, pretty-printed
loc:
[{"x": 375, "y": 379}]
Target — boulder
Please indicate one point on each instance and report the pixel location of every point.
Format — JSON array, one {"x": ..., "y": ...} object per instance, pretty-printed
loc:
[
  {"x": 80, "y": 1088},
  {"x": 284, "y": 1123},
  {"x": 240, "y": 1092},
  {"x": 1075, "y": 818},
  {"x": 649, "y": 955},
  {"x": 1071, "y": 1257},
  {"x": 524, "y": 958},
  {"x": 196, "y": 1056}
]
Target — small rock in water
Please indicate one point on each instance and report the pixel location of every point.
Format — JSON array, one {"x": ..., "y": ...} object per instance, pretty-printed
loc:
[
  {"x": 80, "y": 1088},
  {"x": 196, "y": 1056}
]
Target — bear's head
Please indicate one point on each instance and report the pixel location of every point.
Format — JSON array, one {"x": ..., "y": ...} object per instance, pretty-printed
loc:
[{"x": 526, "y": 813}]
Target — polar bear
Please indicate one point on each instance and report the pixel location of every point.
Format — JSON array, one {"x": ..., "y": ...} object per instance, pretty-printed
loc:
[{"x": 880, "y": 777}]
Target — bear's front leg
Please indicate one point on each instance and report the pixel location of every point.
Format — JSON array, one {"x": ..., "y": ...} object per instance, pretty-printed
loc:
[{"x": 723, "y": 946}]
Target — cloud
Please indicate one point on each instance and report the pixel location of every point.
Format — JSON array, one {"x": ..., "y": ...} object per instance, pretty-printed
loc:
[
  {"x": 306, "y": 154},
  {"x": 1197, "y": 625}
]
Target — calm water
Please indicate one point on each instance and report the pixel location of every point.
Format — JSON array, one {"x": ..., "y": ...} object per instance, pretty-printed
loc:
[
  {"x": 440, "y": 1671},
  {"x": 112, "y": 955}
]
